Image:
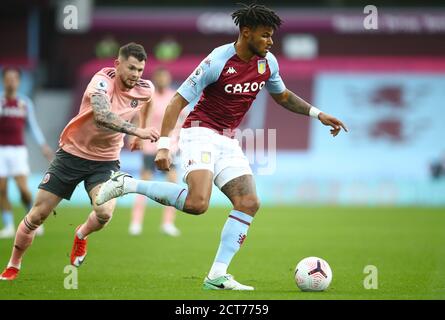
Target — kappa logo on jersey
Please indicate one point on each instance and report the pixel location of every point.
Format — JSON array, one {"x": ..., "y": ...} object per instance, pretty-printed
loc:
[
  {"x": 244, "y": 87},
  {"x": 189, "y": 163},
  {"x": 134, "y": 103},
  {"x": 261, "y": 66},
  {"x": 231, "y": 70}
]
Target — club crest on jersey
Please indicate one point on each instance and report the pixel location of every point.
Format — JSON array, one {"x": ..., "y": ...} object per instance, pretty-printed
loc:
[
  {"x": 261, "y": 66},
  {"x": 206, "y": 157},
  {"x": 134, "y": 103},
  {"x": 46, "y": 178}
]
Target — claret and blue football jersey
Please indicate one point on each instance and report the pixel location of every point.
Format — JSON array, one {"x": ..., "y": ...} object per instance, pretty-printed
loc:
[{"x": 227, "y": 87}]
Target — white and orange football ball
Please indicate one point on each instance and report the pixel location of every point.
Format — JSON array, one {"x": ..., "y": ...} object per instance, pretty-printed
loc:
[{"x": 313, "y": 274}]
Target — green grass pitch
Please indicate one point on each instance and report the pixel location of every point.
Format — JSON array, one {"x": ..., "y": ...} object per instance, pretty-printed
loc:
[{"x": 407, "y": 245}]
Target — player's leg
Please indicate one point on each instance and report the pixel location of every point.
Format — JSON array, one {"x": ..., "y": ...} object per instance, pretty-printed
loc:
[
  {"x": 137, "y": 214},
  {"x": 242, "y": 194},
  {"x": 233, "y": 176},
  {"x": 169, "y": 214},
  {"x": 99, "y": 217},
  {"x": 7, "y": 156},
  {"x": 197, "y": 157},
  {"x": 44, "y": 204},
  {"x": 8, "y": 229},
  {"x": 20, "y": 170},
  {"x": 193, "y": 200},
  {"x": 26, "y": 196},
  {"x": 101, "y": 214},
  {"x": 58, "y": 183},
  {"x": 97, "y": 220},
  {"x": 18, "y": 167}
]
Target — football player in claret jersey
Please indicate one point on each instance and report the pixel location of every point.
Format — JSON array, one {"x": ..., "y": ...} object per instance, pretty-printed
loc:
[
  {"x": 89, "y": 149},
  {"x": 16, "y": 114},
  {"x": 226, "y": 83}
]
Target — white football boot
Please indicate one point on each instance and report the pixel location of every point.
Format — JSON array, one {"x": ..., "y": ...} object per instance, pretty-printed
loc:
[
  {"x": 112, "y": 188},
  {"x": 225, "y": 282}
]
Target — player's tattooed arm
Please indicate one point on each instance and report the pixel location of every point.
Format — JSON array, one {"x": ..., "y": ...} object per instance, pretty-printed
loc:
[
  {"x": 292, "y": 102},
  {"x": 105, "y": 118}
]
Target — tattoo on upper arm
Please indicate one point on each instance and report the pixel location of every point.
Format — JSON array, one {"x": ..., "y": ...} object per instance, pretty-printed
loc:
[
  {"x": 105, "y": 118},
  {"x": 100, "y": 103}
]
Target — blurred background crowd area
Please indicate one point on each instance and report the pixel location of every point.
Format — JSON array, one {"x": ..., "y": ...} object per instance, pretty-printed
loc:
[{"x": 387, "y": 84}]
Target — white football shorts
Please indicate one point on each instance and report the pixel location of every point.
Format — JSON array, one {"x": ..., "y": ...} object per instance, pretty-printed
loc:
[
  {"x": 204, "y": 149},
  {"x": 13, "y": 161}
]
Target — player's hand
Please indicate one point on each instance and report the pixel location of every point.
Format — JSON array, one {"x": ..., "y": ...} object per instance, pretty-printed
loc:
[
  {"x": 136, "y": 144},
  {"x": 163, "y": 159},
  {"x": 151, "y": 134},
  {"x": 47, "y": 152},
  {"x": 329, "y": 120}
]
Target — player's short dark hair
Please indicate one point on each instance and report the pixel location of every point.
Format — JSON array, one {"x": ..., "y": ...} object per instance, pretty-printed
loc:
[
  {"x": 9, "y": 68},
  {"x": 254, "y": 15},
  {"x": 133, "y": 50}
]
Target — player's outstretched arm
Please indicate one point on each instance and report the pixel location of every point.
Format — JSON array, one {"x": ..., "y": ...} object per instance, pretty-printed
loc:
[
  {"x": 105, "y": 118},
  {"x": 294, "y": 103}
]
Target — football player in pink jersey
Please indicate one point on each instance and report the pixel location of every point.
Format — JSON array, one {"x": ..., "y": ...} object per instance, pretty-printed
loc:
[
  {"x": 16, "y": 113},
  {"x": 163, "y": 94},
  {"x": 89, "y": 150},
  {"x": 226, "y": 83}
]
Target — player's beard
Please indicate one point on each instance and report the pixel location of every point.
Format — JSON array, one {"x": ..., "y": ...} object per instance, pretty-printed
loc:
[
  {"x": 126, "y": 85},
  {"x": 255, "y": 50}
]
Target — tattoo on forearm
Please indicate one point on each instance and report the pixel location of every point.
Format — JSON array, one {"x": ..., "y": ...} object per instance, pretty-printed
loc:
[
  {"x": 295, "y": 104},
  {"x": 105, "y": 118}
]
